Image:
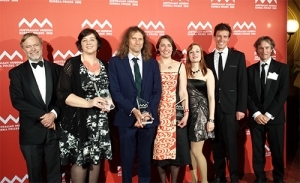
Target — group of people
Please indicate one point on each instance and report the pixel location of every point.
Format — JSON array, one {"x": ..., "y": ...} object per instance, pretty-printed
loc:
[{"x": 64, "y": 110}]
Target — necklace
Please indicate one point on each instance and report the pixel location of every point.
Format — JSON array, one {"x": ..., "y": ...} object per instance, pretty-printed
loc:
[
  {"x": 169, "y": 67},
  {"x": 194, "y": 72},
  {"x": 90, "y": 67}
]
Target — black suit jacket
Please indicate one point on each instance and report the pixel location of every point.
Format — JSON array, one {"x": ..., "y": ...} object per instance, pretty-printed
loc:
[
  {"x": 26, "y": 98},
  {"x": 231, "y": 91},
  {"x": 276, "y": 91}
]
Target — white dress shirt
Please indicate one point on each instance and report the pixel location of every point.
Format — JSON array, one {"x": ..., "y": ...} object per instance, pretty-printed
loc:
[
  {"x": 224, "y": 59},
  {"x": 140, "y": 63},
  {"x": 266, "y": 71}
]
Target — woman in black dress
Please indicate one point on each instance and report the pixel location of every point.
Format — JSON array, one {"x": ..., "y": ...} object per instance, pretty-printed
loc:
[
  {"x": 201, "y": 87},
  {"x": 84, "y": 129}
]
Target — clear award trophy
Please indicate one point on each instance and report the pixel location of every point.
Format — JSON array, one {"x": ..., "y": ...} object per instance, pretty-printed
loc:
[
  {"x": 143, "y": 108},
  {"x": 108, "y": 105}
]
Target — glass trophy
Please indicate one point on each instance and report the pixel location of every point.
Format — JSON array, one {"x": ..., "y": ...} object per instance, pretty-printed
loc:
[
  {"x": 179, "y": 111},
  {"x": 108, "y": 105},
  {"x": 143, "y": 108}
]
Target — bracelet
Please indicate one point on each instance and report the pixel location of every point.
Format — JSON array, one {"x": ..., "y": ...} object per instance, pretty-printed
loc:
[
  {"x": 211, "y": 120},
  {"x": 186, "y": 110}
]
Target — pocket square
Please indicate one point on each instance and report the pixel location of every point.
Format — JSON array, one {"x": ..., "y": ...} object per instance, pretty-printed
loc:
[{"x": 272, "y": 75}]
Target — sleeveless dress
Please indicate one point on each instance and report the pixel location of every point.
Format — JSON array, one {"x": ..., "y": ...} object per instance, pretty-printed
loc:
[
  {"x": 171, "y": 145},
  {"x": 198, "y": 106},
  {"x": 98, "y": 145}
]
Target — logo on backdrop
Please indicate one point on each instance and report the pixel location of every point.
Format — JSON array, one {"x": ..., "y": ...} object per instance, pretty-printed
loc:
[
  {"x": 103, "y": 29},
  {"x": 244, "y": 29},
  {"x": 176, "y": 3},
  {"x": 8, "y": 1},
  {"x": 124, "y": 2},
  {"x": 60, "y": 57},
  {"x": 43, "y": 27},
  {"x": 9, "y": 123},
  {"x": 152, "y": 29},
  {"x": 266, "y": 4},
  {"x": 15, "y": 179},
  {"x": 226, "y": 4},
  {"x": 199, "y": 29},
  {"x": 10, "y": 59},
  {"x": 66, "y": 1},
  {"x": 119, "y": 169}
]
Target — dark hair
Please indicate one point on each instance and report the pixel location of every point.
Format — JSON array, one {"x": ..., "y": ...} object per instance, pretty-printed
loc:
[
  {"x": 202, "y": 63},
  {"x": 86, "y": 32},
  {"x": 170, "y": 39},
  {"x": 124, "y": 46},
  {"x": 27, "y": 35},
  {"x": 221, "y": 27},
  {"x": 264, "y": 38}
]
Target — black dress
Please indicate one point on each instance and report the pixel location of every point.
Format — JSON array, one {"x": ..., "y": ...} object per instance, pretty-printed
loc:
[
  {"x": 97, "y": 145},
  {"x": 198, "y": 106}
]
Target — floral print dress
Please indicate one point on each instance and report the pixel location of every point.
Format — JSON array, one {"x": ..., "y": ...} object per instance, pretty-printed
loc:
[{"x": 98, "y": 144}]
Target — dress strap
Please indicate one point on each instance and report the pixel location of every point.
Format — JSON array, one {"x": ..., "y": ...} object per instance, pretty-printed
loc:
[{"x": 179, "y": 67}]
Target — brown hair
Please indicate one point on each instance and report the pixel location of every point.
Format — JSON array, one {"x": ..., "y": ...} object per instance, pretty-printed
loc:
[
  {"x": 86, "y": 32},
  {"x": 202, "y": 63},
  {"x": 124, "y": 46},
  {"x": 170, "y": 39},
  {"x": 27, "y": 35},
  {"x": 267, "y": 39},
  {"x": 221, "y": 27}
]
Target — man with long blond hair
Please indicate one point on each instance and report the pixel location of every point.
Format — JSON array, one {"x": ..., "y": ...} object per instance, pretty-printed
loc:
[{"x": 134, "y": 74}]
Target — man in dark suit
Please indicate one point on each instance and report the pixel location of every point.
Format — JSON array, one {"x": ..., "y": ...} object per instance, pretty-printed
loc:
[
  {"x": 33, "y": 93},
  {"x": 268, "y": 83},
  {"x": 229, "y": 68},
  {"x": 133, "y": 73}
]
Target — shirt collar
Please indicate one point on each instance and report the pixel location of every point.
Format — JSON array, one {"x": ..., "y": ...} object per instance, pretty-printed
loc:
[
  {"x": 130, "y": 56},
  {"x": 30, "y": 61},
  {"x": 224, "y": 51},
  {"x": 268, "y": 61}
]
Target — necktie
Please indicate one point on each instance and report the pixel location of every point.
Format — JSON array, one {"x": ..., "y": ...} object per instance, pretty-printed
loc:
[
  {"x": 262, "y": 81},
  {"x": 40, "y": 63},
  {"x": 137, "y": 75},
  {"x": 220, "y": 66}
]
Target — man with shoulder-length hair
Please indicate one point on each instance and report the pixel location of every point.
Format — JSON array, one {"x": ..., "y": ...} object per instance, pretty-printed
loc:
[
  {"x": 33, "y": 93},
  {"x": 134, "y": 74},
  {"x": 229, "y": 68},
  {"x": 268, "y": 82}
]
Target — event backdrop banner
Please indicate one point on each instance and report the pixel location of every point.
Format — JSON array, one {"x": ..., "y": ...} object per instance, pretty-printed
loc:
[{"x": 59, "y": 22}]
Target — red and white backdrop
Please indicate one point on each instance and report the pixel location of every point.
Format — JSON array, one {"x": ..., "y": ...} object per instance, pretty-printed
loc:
[{"x": 59, "y": 22}]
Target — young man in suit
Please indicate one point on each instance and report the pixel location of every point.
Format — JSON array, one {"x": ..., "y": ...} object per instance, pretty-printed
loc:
[
  {"x": 268, "y": 83},
  {"x": 33, "y": 93},
  {"x": 133, "y": 73},
  {"x": 229, "y": 68}
]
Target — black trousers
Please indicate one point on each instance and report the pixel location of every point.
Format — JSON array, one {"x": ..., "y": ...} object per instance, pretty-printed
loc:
[
  {"x": 275, "y": 136},
  {"x": 225, "y": 146},
  {"x": 48, "y": 153}
]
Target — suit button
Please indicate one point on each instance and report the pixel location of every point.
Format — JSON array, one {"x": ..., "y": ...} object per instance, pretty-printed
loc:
[{"x": 219, "y": 89}]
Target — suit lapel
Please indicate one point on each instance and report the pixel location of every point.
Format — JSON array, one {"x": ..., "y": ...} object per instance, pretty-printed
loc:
[
  {"x": 144, "y": 77},
  {"x": 257, "y": 79},
  {"x": 127, "y": 68},
  {"x": 269, "y": 81},
  {"x": 227, "y": 63},
  {"x": 33, "y": 84},
  {"x": 210, "y": 63},
  {"x": 49, "y": 83}
]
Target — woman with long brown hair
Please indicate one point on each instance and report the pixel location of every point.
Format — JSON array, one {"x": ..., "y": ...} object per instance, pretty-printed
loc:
[{"x": 201, "y": 88}]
